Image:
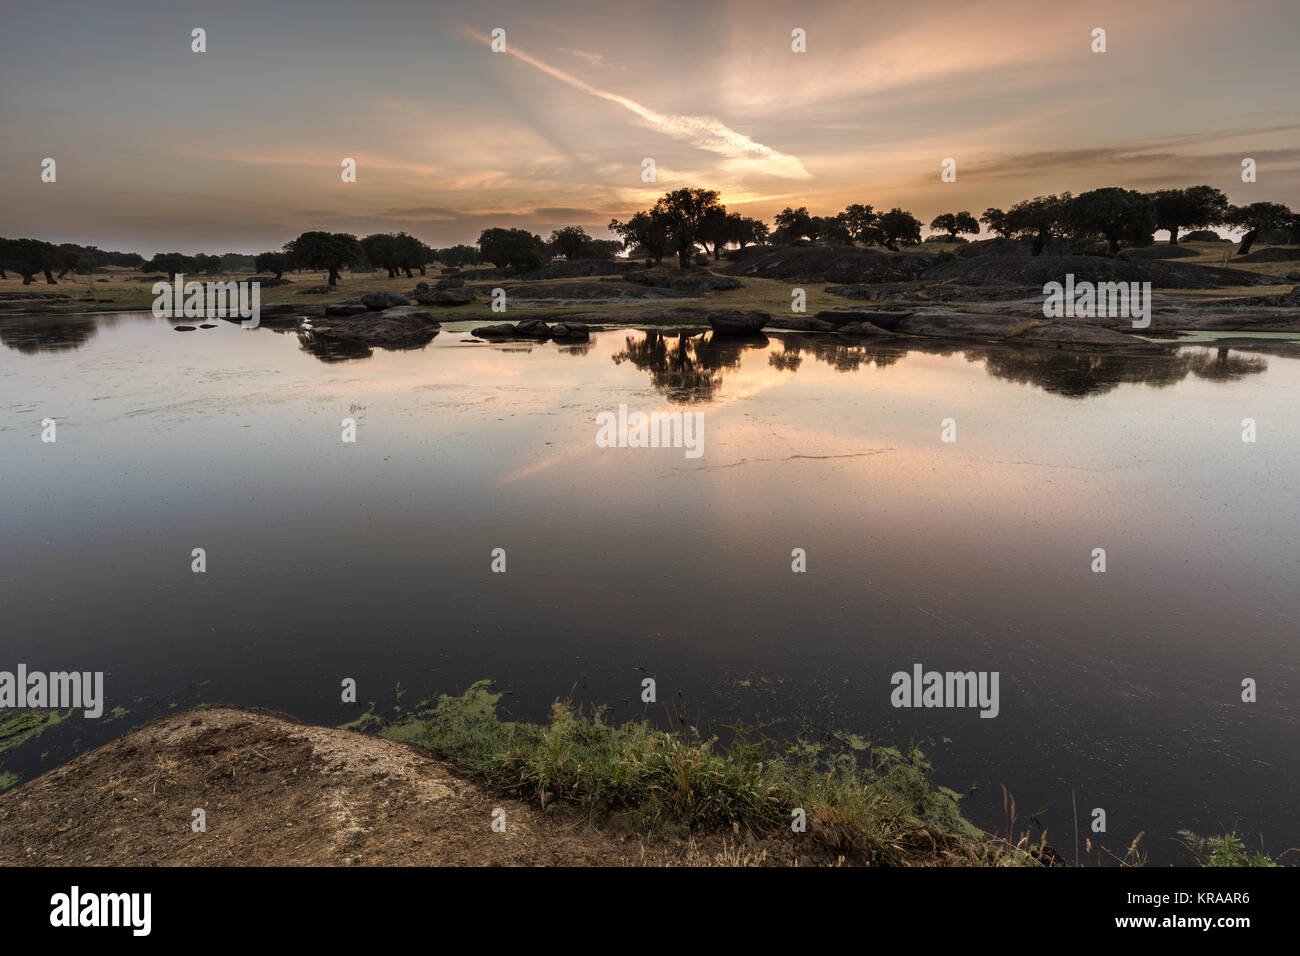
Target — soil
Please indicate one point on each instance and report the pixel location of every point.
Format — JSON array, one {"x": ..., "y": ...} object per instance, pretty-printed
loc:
[{"x": 279, "y": 792}]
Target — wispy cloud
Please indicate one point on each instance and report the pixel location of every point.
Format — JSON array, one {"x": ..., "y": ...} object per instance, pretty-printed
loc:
[{"x": 703, "y": 132}]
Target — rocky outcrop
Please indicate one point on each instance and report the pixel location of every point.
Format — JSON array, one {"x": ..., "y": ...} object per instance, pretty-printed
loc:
[
  {"x": 685, "y": 281},
  {"x": 378, "y": 301},
  {"x": 737, "y": 322},
  {"x": 400, "y": 327}
]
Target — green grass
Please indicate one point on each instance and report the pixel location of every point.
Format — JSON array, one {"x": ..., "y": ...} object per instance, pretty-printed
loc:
[{"x": 868, "y": 804}]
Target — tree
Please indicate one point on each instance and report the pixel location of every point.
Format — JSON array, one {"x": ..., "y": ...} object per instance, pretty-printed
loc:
[
  {"x": 1039, "y": 219},
  {"x": 276, "y": 263},
  {"x": 411, "y": 253},
  {"x": 457, "y": 256},
  {"x": 897, "y": 226},
  {"x": 517, "y": 249},
  {"x": 379, "y": 250},
  {"x": 28, "y": 257},
  {"x": 860, "y": 220},
  {"x": 715, "y": 229},
  {"x": 997, "y": 222},
  {"x": 794, "y": 223},
  {"x": 171, "y": 263},
  {"x": 1256, "y": 218},
  {"x": 1114, "y": 214},
  {"x": 834, "y": 228},
  {"x": 332, "y": 251},
  {"x": 955, "y": 222},
  {"x": 648, "y": 230},
  {"x": 571, "y": 242},
  {"x": 1193, "y": 208},
  {"x": 744, "y": 231},
  {"x": 684, "y": 210}
]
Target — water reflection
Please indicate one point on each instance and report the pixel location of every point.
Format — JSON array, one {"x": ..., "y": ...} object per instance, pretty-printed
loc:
[
  {"x": 689, "y": 369},
  {"x": 33, "y": 334}
]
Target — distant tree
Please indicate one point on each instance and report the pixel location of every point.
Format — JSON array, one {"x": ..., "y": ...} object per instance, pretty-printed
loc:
[
  {"x": 233, "y": 262},
  {"x": 861, "y": 222},
  {"x": 331, "y": 251},
  {"x": 457, "y": 256},
  {"x": 207, "y": 264},
  {"x": 571, "y": 242},
  {"x": 171, "y": 263},
  {"x": 28, "y": 257},
  {"x": 411, "y": 253},
  {"x": 517, "y": 249},
  {"x": 834, "y": 229},
  {"x": 897, "y": 226},
  {"x": 795, "y": 223},
  {"x": 276, "y": 263},
  {"x": 745, "y": 231},
  {"x": 647, "y": 230},
  {"x": 997, "y": 222},
  {"x": 602, "y": 249},
  {"x": 1256, "y": 218},
  {"x": 1193, "y": 208},
  {"x": 683, "y": 210},
  {"x": 1039, "y": 219},
  {"x": 715, "y": 230},
  {"x": 1114, "y": 214},
  {"x": 379, "y": 250},
  {"x": 954, "y": 223}
]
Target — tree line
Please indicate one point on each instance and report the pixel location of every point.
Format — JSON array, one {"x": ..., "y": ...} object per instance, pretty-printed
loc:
[{"x": 685, "y": 221}]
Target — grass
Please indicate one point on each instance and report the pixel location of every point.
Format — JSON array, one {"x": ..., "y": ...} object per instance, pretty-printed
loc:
[{"x": 867, "y": 804}]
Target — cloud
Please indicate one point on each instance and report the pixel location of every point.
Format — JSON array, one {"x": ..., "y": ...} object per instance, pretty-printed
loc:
[
  {"x": 595, "y": 59},
  {"x": 703, "y": 132}
]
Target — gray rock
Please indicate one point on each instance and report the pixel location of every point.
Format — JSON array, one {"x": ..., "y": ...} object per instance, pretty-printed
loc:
[
  {"x": 570, "y": 331},
  {"x": 451, "y": 282},
  {"x": 446, "y": 297},
  {"x": 343, "y": 308},
  {"x": 378, "y": 301},
  {"x": 736, "y": 322}
]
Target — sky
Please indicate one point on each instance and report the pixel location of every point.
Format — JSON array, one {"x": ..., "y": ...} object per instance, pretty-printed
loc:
[{"x": 239, "y": 148}]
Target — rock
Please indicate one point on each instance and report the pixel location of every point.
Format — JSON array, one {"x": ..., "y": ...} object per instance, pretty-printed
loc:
[
  {"x": 343, "y": 309},
  {"x": 182, "y": 328},
  {"x": 685, "y": 281},
  {"x": 378, "y": 301},
  {"x": 860, "y": 328},
  {"x": 570, "y": 331},
  {"x": 317, "y": 290},
  {"x": 1293, "y": 276},
  {"x": 274, "y": 309},
  {"x": 505, "y": 330},
  {"x": 421, "y": 287},
  {"x": 446, "y": 297},
  {"x": 533, "y": 329},
  {"x": 802, "y": 323},
  {"x": 881, "y": 321},
  {"x": 736, "y": 322},
  {"x": 394, "y": 329},
  {"x": 207, "y": 325},
  {"x": 410, "y": 313},
  {"x": 451, "y": 282}
]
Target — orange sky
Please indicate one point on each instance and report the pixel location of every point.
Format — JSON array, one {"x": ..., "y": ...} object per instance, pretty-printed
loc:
[{"x": 239, "y": 148}]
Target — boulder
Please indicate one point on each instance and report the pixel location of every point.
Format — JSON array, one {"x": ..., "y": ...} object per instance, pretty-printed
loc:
[
  {"x": 378, "y": 301},
  {"x": 685, "y": 281},
  {"x": 504, "y": 330},
  {"x": 446, "y": 297},
  {"x": 570, "y": 331},
  {"x": 394, "y": 329},
  {"x": 803, "y": 323},
  {"x": 344, "y": 308},
  {"x": 451, "y": 282},
  {"x": 533, "y": 329},
  {"x": 736, "y": 322},
  {"x": 317, "y": 290}
]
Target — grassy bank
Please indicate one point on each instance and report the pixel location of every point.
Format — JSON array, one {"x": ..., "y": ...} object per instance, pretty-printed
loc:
[{"x": 866, "y": 804}]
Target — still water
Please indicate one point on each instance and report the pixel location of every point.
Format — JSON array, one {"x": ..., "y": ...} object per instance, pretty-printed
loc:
[{"x": 371, "y": 559}]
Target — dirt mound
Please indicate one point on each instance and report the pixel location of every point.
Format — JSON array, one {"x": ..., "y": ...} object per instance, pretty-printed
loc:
[
  {"x": 276, "y": 792},
  {"x": 1275, "y": 254},
  {"x": 1037, "y": 270},
  {"x": 842, "y": 264}
]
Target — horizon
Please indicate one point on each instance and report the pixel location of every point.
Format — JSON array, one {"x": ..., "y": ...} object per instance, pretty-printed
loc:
[{"x": 239, "y": 152}]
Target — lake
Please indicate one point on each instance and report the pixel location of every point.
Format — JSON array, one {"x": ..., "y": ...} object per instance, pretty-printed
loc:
[{"x": 372, "y": 559}]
